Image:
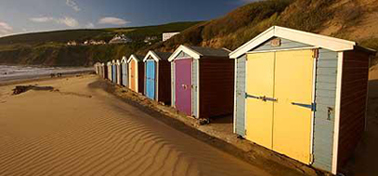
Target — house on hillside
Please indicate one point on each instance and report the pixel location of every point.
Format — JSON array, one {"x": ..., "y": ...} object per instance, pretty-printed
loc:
[
  {"x": 168, "y": 35},
  {"x": 119, "y": 39},
  {"x": 71, "y": 43},
  {"x": 94, "y": 42},
  {"x": 150, "y": 39}
]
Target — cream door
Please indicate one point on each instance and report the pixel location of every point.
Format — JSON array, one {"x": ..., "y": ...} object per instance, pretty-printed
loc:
[
  {"x": 293, "y": 108},
  {"x": 259, "y": 113}
]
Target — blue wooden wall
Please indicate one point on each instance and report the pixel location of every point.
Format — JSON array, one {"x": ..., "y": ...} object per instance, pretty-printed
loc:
[
  {"x": 325, "y": 109},
  {"x": 195, "y": 81},
  {"x": 240, "y": 96},
  {"x": 114, "y": 73},
  {"x": 285, "y": 44},
  {"x": 125, "y": 75}
]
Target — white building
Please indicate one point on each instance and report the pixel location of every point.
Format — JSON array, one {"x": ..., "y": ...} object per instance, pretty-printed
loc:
[
  {"x": 71, "y": 43},
  {"x": 120, "y": 39},
  {"x": 168, "y": 35}
]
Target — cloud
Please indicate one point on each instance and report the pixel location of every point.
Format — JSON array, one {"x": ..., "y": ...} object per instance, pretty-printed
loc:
[
  {"x": 5, "y": 28},
  {"x": 89, "y": 25},
  {"x": 42, "y": 19},
  {"x": 73, "y": 5},
  {"x": 113, "y": 21},
  {"x": 68, "y": 21}
]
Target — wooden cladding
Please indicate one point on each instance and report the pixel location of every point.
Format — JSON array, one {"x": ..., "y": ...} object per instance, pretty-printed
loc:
[
  {"x": 216, "y": 87},
  {"x": 353, "y": 102},
  {"x": 164, "y": 90},
  {"x": 140, "y": 77}
]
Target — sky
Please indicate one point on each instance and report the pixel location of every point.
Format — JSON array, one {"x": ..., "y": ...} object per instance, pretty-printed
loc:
[{"x": 22, "y": 16}]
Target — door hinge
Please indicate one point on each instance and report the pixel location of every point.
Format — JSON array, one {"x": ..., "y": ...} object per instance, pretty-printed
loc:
[
  {"x": 245, "y": 132},
  {"x": 311, "y": 158},
  {"x": 311, "y": 106},
  {"x": 315, "y": 53}
]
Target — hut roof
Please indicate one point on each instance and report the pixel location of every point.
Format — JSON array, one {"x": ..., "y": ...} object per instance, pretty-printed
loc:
[
  {"x": 124, "y": 59},
  {"x": 157, "y": 56},
  {"x": 197, "y": 52},
  {"x": 316, "y": 40},
  {"x": 210, "y": 51},
  {"x": 138, "y": 58}
]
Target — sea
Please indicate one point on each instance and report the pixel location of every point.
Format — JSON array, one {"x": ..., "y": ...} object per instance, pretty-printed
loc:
[{"x": 10, "y": 73}]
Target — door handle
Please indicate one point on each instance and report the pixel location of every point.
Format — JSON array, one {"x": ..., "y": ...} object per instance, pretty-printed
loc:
[
  {"x": 184, "y": 86},
  {"x": 251, "y": 96},
  {"x": 311, "y": 106},
  {"x": 263, "y": 98}
]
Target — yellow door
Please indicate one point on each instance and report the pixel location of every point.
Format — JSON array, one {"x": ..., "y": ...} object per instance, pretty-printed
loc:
[
  {"x": 292, "y": 111},
  {"x": 259, "y": 113}
]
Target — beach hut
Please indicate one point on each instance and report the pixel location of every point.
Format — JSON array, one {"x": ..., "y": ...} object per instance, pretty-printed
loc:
[
  {"x": 158, "y": 76},
  {"x": 119, "y": 72},
  {"x": 104, "y": 70},
  {"x": 97, "y": 68},
  {"x": 101, "y": 65},
  {"x": 125, "y": 71},
  {"x": 136, "y": 73},
  {"x": 302, "y": 95},
  {"x": 110, "y": 68},
  {"x": 202, "y": 81},
  {"x": 114, "y": 72}
]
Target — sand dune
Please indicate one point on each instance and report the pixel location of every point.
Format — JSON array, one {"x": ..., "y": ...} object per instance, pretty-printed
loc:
[{"x": 83, "y": 131}]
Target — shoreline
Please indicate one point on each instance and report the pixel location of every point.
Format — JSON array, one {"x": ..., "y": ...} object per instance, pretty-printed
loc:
[{"x": 33, "y": 78}]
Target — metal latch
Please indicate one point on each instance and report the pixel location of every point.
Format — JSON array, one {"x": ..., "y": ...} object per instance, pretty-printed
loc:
[
  {"x": 263, "y": 98},
  {"x": 311, "y": 106},
  {"x": 251, "y": 96},
  {"x": 330, "y": 110}
]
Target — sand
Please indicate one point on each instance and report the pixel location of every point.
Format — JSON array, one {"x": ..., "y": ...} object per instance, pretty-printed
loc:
[{"x": 79, "y": 130}]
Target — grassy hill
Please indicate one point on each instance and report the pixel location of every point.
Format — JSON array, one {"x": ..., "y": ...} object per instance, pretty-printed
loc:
[
  {"x": 348, "y": 19},
  {"x": 50, "y": 49}
]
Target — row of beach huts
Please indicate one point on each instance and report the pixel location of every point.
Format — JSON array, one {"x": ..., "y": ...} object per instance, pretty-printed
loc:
[{"x": 300, "y": 94}]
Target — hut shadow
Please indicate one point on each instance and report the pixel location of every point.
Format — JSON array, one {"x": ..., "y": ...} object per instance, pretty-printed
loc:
[
  {"x": 224, "y": 119},
  {"x": 365, "y": 158}
]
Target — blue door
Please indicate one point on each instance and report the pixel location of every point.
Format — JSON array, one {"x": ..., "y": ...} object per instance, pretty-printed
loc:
[
  {"x": 150, "y": 79},
  {"x": 124, "y": 74},
  {"x": 114, "y": 73}
]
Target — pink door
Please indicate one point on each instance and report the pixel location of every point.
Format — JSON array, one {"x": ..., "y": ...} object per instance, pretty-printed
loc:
[{"x": 183, "y": 85}]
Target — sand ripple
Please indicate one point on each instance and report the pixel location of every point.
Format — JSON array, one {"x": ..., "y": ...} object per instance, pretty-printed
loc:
[{"x": 44, "y": 133}]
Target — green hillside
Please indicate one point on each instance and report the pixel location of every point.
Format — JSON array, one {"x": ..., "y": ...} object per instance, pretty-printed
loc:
[
  {"x": 348, "y": 19},
  {"x": 50, "y": 49}
]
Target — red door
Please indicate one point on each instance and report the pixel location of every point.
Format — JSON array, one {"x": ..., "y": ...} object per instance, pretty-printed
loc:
[{"x": 183, "y": 68}]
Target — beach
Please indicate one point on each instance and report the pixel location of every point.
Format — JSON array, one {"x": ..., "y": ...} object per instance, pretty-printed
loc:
[
  {"x": 79, "y": 129},
  {"x": 82, "y": 125},
  {"x": 11, "y": 73}
]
